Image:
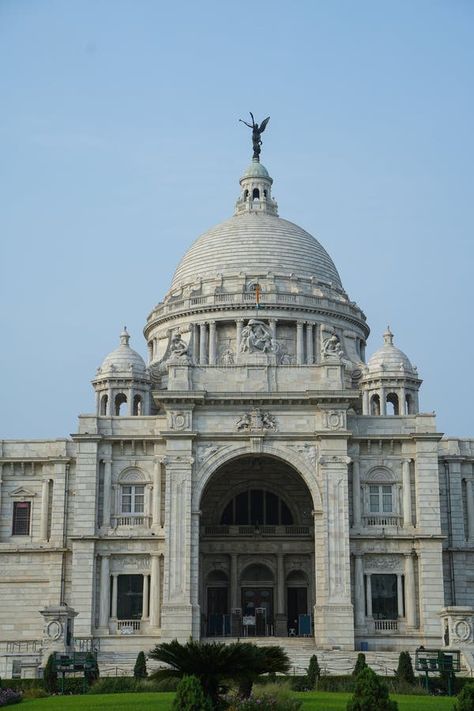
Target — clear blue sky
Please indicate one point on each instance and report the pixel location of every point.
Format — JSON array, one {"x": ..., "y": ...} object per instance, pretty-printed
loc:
[{"x": 120, "y": 143}]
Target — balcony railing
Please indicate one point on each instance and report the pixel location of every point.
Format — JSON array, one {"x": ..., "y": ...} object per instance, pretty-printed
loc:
[
  {"x": 386, "y": 625},
  {"x": 21, "y": 646},
  {"x": 86, "y": 644},
  {"x": 256, "y": 531},
  {"x": 128, "y": 626},
  {"x": 131, "y": 520},
  {"x": 382, "y": 520}
]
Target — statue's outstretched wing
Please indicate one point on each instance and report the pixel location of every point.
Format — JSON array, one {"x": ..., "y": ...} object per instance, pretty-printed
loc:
[{"x": 264, "y": 123}]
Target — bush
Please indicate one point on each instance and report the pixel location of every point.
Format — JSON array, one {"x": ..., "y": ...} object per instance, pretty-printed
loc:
[
  {"x": 50, "y": 676},
  {"x": 465, "y": 699},
  {"x": 299, "y": 683},
  {"x": 114, "y": 685},
  {"x": 190, "y": 696},
  {"x": 92, "y": 669},
  {"x": 337, "y": 683},
  {"x": 313, "y": 672},
  {"x": 370, "y": 694},
  {"x": 268, "y": 697},
  {"x": 9, "y": 697},
  {"x": 170, "y": 684},
  {"x": 35, "y": 692},
  {"x": 405, "y": 668},
  {"x": 360, "y": 664},
  {"x": 139, "y": 671}
]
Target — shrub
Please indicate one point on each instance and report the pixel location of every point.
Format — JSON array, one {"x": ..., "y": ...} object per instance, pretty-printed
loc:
[
  {"x": 465, "y": 699},
  {"x": 114, "y": 685},
  {"x": 370, "y": 694},
  {"x": 34, "y": 692},
  {"x": 91, "y": 668},
  {"x": 313, "y": 672},
  {"x": 9, "y": 697},
  {"x": 337, "y": 683},
  {"x": 299, "y": 683},
  {"x": 405, "y": 668},
  {"x": 50, "y": 676},
  {"x": 360, "y": 664},
  {"x": 139, "y": 671},
  {"x": 190, "y": 696},
  {"x": 170, "y": 684}
]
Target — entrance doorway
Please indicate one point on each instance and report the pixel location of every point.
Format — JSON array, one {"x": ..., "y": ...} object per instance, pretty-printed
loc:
[{"x": 257, "y": 611}]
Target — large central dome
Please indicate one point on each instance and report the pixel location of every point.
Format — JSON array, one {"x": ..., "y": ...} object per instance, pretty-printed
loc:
[{"x": 256, "y": 243}]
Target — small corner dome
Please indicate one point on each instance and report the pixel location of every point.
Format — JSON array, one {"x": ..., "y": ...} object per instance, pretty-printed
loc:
[
  {"x": 123, "y": 359},
  {"x": 389, "y": 357}
]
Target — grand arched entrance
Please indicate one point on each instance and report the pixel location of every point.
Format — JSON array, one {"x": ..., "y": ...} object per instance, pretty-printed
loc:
[{"x": 256, "y": 551}]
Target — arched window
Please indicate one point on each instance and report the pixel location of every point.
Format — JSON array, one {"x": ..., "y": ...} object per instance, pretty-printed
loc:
[
  {"x": 255, "y": 507},
  {"x": 380, "y": 493},
  {"x": 246, "y": 194},
  {"x": 137, "y": 405},
  {"x": 392, "y": 404},
  {"x": 104, "y": 401},
  {"x": 375, "y": 405},
  {"x": 255, "y": 194},
  {"x": 131, "y": 499},
  {"x": 120, "y": 403}
]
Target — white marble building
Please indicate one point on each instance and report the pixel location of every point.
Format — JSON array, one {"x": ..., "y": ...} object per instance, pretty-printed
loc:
[{"x": 256, "y": 477}]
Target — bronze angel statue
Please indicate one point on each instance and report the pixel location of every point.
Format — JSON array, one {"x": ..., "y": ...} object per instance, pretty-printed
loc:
[{"x": 256, "y": 134}]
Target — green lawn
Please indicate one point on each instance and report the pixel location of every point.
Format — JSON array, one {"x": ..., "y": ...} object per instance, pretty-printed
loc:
[
  {"x": 312, "y": 701},
  {"x": 333, "y": 701}
]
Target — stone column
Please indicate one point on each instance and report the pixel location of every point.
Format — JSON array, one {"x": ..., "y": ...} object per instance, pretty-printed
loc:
[
  {"x": 212, "y": 343},
  {"x": 130, "y": 401},
  {"x": 470, "y": 510},
  {"x": 193, "y": 342},
  {"x": 410, "y": 600},
  {"x": 368, "y": 579},
  {"x": 400, "y": 610},
  {"x": 156, "y": 507},
  {"x": 44, "y": 510},
  {"x": 104, "y": 591},
  {"x": 309, "y": 344},
  {"x": 106, "y": 511},
  {"x": 333, "y": 612},
  {"x": 383, "y": 404},
  {"x": 299, "y": 343},
  {"x": 155, "y": 591},
  {"x": 203, "y": 343},
  {"x": 359, "y": 592},
  {"x": 356, "y": 507},
  {"x": 110, "y": 402},
  {"x": 145, "y": 611},
  {"x": 281, "y": 624},
  {"x": 272, "y": 323},
  {"x": 114, "y": 595},
  {"x": 180, "y": 614},
  {"x": 365, "y": 403},
  {"x": 234, "y": 582},
  {"x": 407, "y": 509},
  {"x": 238, "y": 337}
]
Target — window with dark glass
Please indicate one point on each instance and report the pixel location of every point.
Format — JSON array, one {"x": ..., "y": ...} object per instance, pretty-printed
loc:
[
  {"x": 130, "y": 597},
  {"x": 384, "y": 597},
  {"x": 21, "y": 518},
  {"x": 256, "y": 507}
]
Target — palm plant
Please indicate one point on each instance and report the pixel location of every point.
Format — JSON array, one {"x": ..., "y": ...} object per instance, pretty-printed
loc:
[{"x": 213, "y": 663}]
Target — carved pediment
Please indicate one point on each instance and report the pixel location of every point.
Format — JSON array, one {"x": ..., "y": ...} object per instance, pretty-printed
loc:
[{"x": 22, "y": 493}]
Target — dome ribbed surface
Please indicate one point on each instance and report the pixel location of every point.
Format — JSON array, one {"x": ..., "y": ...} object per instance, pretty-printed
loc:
[
  {"x": 256, "y": 244},
  {"x": 389, "y": 357},
  {"x": 122, "y": 358}
]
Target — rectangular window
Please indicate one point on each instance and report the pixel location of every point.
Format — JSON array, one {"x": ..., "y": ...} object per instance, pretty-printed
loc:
[
  {"x": 374, "y": 499},
  {"x": 21, "y": 518},
  {"x": 387, "y": 499},
  {"x": 133, "y": 499},
  {"x": 381, "y": 499}
]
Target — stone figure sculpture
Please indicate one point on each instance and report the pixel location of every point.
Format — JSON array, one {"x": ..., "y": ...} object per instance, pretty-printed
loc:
[
  {"x": 332, "y": 347},
  {"x": 256, "y": 336},
  {"x": 178, "y": 348},
  {"x": 256, "y": 134}
]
